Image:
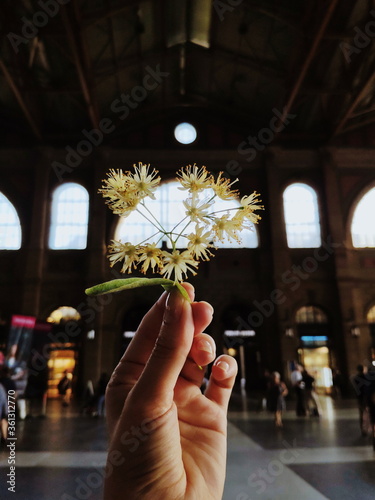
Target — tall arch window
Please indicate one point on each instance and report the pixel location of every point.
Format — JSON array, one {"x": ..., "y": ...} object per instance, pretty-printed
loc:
[
  {"x": 169, "y": 210},
  {"x": 371, "y": 315},
  {"x": 311, "y": 314},
  {"x": 301, "y": 215},
  {"x": 69, "y": 217},
  {"x": 10, "y": 227},
  {"x": 363, "y": 222}
]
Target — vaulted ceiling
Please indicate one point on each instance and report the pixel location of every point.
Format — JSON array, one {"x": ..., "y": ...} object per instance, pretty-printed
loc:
[{"x": 65, "y": 65}]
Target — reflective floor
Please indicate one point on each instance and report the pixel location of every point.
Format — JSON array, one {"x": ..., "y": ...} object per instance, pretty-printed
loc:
[{"x": 61, "y": 457}]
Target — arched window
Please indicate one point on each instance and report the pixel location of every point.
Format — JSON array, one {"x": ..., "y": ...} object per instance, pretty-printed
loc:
[
  {"x": 301, "y": 216},
  {"x": 69, "y": 217},
  {"x": 371, "y": 315},
  {"x": 169, "y": 210},
  {"x": 311, "y": 314},
  {"x": 63, "y": 314},
  {"x": 363, "y": 222},
  {"x": 10, "y": 227}
]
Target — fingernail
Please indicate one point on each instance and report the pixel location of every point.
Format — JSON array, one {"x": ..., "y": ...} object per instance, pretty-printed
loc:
[
  {"x": 173, "y": 306},
  {"x": 208, "y": 304},
  {"x": 204, "y": 345},
  {"x": 223, "y": 365}
]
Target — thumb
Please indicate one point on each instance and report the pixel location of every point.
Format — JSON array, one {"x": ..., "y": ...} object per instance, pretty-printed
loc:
[{"x": 156, "y": 385}]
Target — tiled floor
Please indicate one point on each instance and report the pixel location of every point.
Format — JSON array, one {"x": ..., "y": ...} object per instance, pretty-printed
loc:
[{"x": 62, "y": 456}]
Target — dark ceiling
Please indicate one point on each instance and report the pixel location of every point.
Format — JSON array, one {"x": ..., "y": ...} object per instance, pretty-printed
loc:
[{"x": 233, "y": 63}]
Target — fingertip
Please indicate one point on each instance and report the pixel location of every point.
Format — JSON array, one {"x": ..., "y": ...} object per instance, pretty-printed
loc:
[
  {"x": 202, "y": 314},
  {"x": 225, "y": 367},
  {"x": 207, "y": 306},
  {"x": 221, "y": 382},
  {"x": 203, "y": 349},
  {"x": 190, "y": 290}
]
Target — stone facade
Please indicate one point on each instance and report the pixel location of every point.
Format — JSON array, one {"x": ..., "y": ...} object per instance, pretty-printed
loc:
[{"x": 262, "y": 287}]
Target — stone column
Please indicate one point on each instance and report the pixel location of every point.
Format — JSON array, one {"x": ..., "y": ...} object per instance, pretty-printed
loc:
[
  {"x": 37, "y": 239},
  {"x": 96, "y": 273},
  {"x": 335, "y": 238}
]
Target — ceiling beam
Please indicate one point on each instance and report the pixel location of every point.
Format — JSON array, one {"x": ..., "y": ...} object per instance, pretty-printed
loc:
[
  {"x": 361, "y": 124},
  {"x": 81, "y": 61},
  {"x": 21, "y": 101},
  {"x": 309, "y": 59},
  {"x": 366, "y": 89}
]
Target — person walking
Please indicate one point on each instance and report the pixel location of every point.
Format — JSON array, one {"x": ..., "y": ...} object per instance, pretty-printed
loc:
[
  {"x": 276, "y": 393},
  {"x": 64, "y": 388},
  {"x": 311, "y": 397},
  {"x": 361, "y": 383},
  {"x": 299, "y": 388}
]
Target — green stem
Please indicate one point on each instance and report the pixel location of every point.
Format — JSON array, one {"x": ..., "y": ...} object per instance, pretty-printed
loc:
[
  {"x": 152, "y": 215},
  {"x": 162, "y": 230},
  {"x": 149, "y": 238}
]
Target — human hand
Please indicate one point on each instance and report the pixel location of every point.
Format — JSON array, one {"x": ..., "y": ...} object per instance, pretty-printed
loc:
[{"x": 168, "y": 440}]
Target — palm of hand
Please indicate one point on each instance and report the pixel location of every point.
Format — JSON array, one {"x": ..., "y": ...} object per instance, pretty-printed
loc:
[{"x": 170, "y": 438}]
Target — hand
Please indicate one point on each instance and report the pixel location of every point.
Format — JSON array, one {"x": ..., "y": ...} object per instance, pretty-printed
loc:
[{"x": 168, "y": 440}]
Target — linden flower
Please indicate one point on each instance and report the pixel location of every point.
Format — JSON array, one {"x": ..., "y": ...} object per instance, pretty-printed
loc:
[
  {"x": 122, "y": 200},
  {"x": 199, "y": 243},
  {"x": 224, "y": 226},
  {"x": 194, "y": 179},
  {"x": 178, "y": 264},
  {"x": 126, "y": 191},
  {"x": 150, "y": 255},
  {"x": 197, "y": 209},
  {"x": 124, "y": 206},
  {"x": 222, "y": 186},
  {"x": 143, "y": 182},
  {"x": 116, "y": 184},
  {"x": 248, "y": 205},
  {"x": 123, "y": 251}
]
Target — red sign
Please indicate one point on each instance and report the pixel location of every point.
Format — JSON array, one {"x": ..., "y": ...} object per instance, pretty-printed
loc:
[{"x": 23, "y": 321}]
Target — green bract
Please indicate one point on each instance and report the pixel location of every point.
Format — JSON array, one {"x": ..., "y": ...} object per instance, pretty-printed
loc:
[{"x": 129, "y": 283}]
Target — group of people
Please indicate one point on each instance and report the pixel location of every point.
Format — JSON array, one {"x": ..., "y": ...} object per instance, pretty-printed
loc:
[
  {"x": 307, "y": 401},
  {"x": 364, "y": 385},
  {"x": 302, "y": 382}
]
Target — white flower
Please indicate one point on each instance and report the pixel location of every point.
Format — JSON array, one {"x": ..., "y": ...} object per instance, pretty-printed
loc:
[
  {"x": 248, "y": 205},
  {"x": 123, "y": 251},
  {"x": 197, "y": 209},
  {"x": 150, "y": 255},
  {"x": 194, "y": 179},
  {"x": 199, "y": 243},
  {"x": 178, "y": 264},
  {"x": 225, "y": 227},
  {"x": 122, "y": 199},
  {"x": 124, "y": 191},
  {"x": 222, "y": 187},
  {"x": 143, "y": 182}
]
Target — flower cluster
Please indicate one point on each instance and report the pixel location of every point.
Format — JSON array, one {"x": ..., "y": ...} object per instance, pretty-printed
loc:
[{"x": 197, "y": 231}]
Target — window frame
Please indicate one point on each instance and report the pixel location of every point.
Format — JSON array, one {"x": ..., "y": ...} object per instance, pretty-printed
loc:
[
  {"x": 353, "y": 207},
  {"x": 315, "y": 193},
  {"x": 53, "y": 213},
  {"x": 19, "y": 226}
]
